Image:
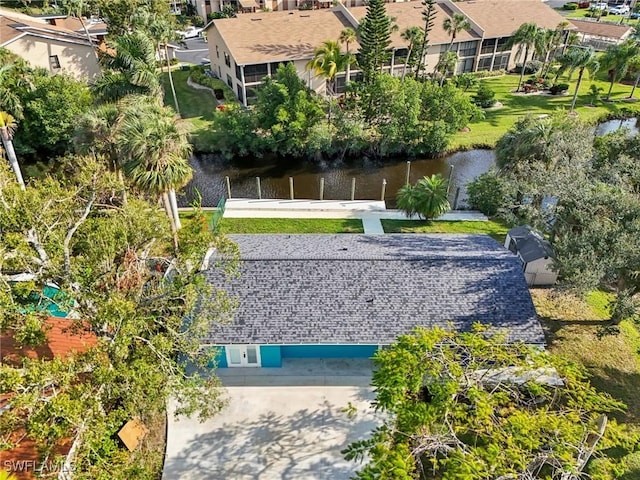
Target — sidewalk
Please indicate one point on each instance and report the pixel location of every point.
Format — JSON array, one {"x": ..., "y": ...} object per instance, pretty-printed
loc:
[{"x": 369, "y": 211}]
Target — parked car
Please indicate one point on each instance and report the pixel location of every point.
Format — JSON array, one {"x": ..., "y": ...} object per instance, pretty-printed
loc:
[
  {"x": 634, "y": 16},
  {"x": 190, "y": 32},
  {"x": 619, "y": 10},
  {"x": 600, "y": 5}
]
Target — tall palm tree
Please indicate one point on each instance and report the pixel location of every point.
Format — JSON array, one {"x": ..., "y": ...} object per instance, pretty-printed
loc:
[
  {"x": 525, "y": 37},
  {"x": 617, "y": 60},
  {"x": 77, "y": 8},
  {"x": 7, "y": 127},
  {"x": 132, "y": 70},
  {"x": 414, "y": 36},
  {"x": 446, "y": 63},
  {"x": 454, "y": 25},
  {"x": 155, "y": 152},
  {"x": 347, "y": 37},
  {"x": 327, "y": 62},
  {"x": 581, "y": 59}
]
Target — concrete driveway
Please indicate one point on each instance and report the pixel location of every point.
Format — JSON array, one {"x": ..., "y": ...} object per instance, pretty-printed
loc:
[{"x": 293, "y": 433}]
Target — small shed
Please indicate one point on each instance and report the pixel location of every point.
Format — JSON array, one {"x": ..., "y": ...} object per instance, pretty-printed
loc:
[{"x": 535, "y": 253}]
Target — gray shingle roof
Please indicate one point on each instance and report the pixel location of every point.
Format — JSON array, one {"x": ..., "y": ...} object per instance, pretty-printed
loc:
[
  {"x": 369, "y": 289},
  {"x": 530, "y": 244}
]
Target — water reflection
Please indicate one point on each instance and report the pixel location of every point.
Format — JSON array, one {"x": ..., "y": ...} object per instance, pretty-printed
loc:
[{"x": 462, "y": 167}]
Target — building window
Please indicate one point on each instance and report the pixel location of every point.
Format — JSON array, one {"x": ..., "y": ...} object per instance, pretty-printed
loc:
[
  {"x": 503, "y": 44},
  {"x": 229, "y": 81},
  {"x": 464, "y": 66},
  {"x": 467, "y": 49},
  {"x": 445, "y": 47},
  {"x": 207, "y": 2},
  {"x": 484, "y": 63},
  {"x": 240, "y": 96},
  {"x": 54, "y": 61},
  {"x": 400, "y": 56},
  {"x": 238, "y": 72},
  {"x": 217, "y": 52},
  {"x": 255, "y": 73},
  {"x": 501, "y": 62},
  {"x": 488, "y": 46},
  {"x": 227, "y": 60}
]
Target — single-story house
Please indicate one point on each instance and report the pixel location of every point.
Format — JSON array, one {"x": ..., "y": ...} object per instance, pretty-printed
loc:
[
  {"x": 534, "y": 252},
  {"x": 246, "y": 49},
  {"x": 601, "y": 35},
  {"x": 54, "y": 48},
  {"x": 345, "y": 296}
]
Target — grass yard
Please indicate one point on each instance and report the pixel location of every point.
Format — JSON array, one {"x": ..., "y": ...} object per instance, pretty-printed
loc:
[
  {"x": 571, "y": 326},
  {"x": 494, "y": 229},
  {"x": 284, "y": 225},
  {"x": 497, "y": 121}
]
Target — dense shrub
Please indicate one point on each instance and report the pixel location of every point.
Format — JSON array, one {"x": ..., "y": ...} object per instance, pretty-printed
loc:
[
  {"x": 198, "y": 76},
  {"x": 570, "y": 6},
  {"x": 485, "y": 96},
  {"x": 559, "y": 88},
  {"x": 488, "y": 73},
  {"x": 531, "y": 67},
  {"x": 486, "y": 193}
]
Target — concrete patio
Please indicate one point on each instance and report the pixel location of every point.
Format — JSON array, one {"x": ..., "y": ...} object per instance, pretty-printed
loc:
[{"x": 284, "y": 433}]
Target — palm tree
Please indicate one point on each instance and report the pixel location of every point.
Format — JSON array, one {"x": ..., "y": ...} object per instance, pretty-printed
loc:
[
  {"x": 76, "y": 8},
  {"x": 132, "y": 70},
  {"x": 446, "y": 63},
  {"x": 581, "y": 59},
  {"x": 155, "y": 152},
  {"x": 617, "y": 60},
  {"x": 454, "y": 25},
  {"x": 414, "y": 36},
  {"x": 427, "y": 198},
  {"x": 162, "y": 32},
  {"x": 327, "y": 61},
  {"x": 348, "y": 36},
  {"x": 15, "y": 76},
  {"x": 7, "y": 127},
  {"x": 525, "y": 37}
]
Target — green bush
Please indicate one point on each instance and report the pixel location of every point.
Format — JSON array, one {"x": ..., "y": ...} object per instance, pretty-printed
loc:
[
  {"x": 486, "y": 193},
  {"x": 484, "y": 97},
  {"x": 559, "y": 88},
  {"x": 198, "y": 76},
  {"x": 427, "y": 198},
  {"x": 488, "y": 73},
  {"x": 570, "y": 6}
]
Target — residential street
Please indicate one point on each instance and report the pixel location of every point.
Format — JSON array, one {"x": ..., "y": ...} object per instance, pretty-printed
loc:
[{"x": 196, "y": 51}]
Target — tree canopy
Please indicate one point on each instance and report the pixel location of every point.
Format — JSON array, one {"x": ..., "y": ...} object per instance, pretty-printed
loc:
[
  {"x": 121, "y": 280},
  {"x": 470, "y": 405}
]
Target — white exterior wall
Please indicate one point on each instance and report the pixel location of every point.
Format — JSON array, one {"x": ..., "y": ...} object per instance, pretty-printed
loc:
[
  {"x": 539, "y": 272},
  {"x": 75, "y": 59}
]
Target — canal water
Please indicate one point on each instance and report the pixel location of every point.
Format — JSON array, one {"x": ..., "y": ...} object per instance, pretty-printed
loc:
[{"x": 461, "y": 167}]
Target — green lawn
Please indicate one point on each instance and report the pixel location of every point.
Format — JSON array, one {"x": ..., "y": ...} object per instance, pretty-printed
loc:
[
  {"x": 284, "y": 225},
  {"x": 487, "y": 131},
  {"x": 571, "y": 326},
  {"x": 494, "y": 229}
]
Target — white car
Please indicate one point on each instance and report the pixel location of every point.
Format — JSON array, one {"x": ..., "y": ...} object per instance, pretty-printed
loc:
[
  {"x": 600, "y": 5},
  {"x": 190, "y": 32},
  {"x": 619, "y": 10}
]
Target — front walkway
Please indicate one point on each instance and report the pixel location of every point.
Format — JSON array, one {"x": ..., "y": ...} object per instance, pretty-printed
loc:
[{"x": 370, "y": 212}]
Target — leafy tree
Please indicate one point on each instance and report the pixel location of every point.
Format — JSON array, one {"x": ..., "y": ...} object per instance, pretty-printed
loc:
[
  {"x": 120, "y": 14},
  {"x": 454, "y": 25},
  {"x": 525, "y": 37},
  {"x": 327, "y": 62},
  {"x": 427, "y": 198},
  {"x": 428, "y": 16},
  {"x": 581, "y": 59},
  {"x": 465, "y": 81},
  {"x": 115, "y": 265},
  {"x": 16, "y": 78},
  {"x": 469, "y": 405},
  {"x": 485, "y": 97},
  {"x": 594, "y": 93},
  {"x": 450, "y": 105},
  {"x": 7, "y": 127},
  {"x": 617, "y": 59},
  {"x": 487, "y": 193},
  {"x": 375, "y": 38},
  {"x": 50, "y": 112}
]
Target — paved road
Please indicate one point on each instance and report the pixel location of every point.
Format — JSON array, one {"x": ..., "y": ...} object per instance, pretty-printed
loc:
[{"x": 196, "y": 52}]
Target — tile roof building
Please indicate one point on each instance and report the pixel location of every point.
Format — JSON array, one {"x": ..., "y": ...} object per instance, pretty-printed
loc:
[
  {"x": 54, "y": 48},
  {"x": 345, "y": 295},
  {"x": 246, "y": 49}
]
